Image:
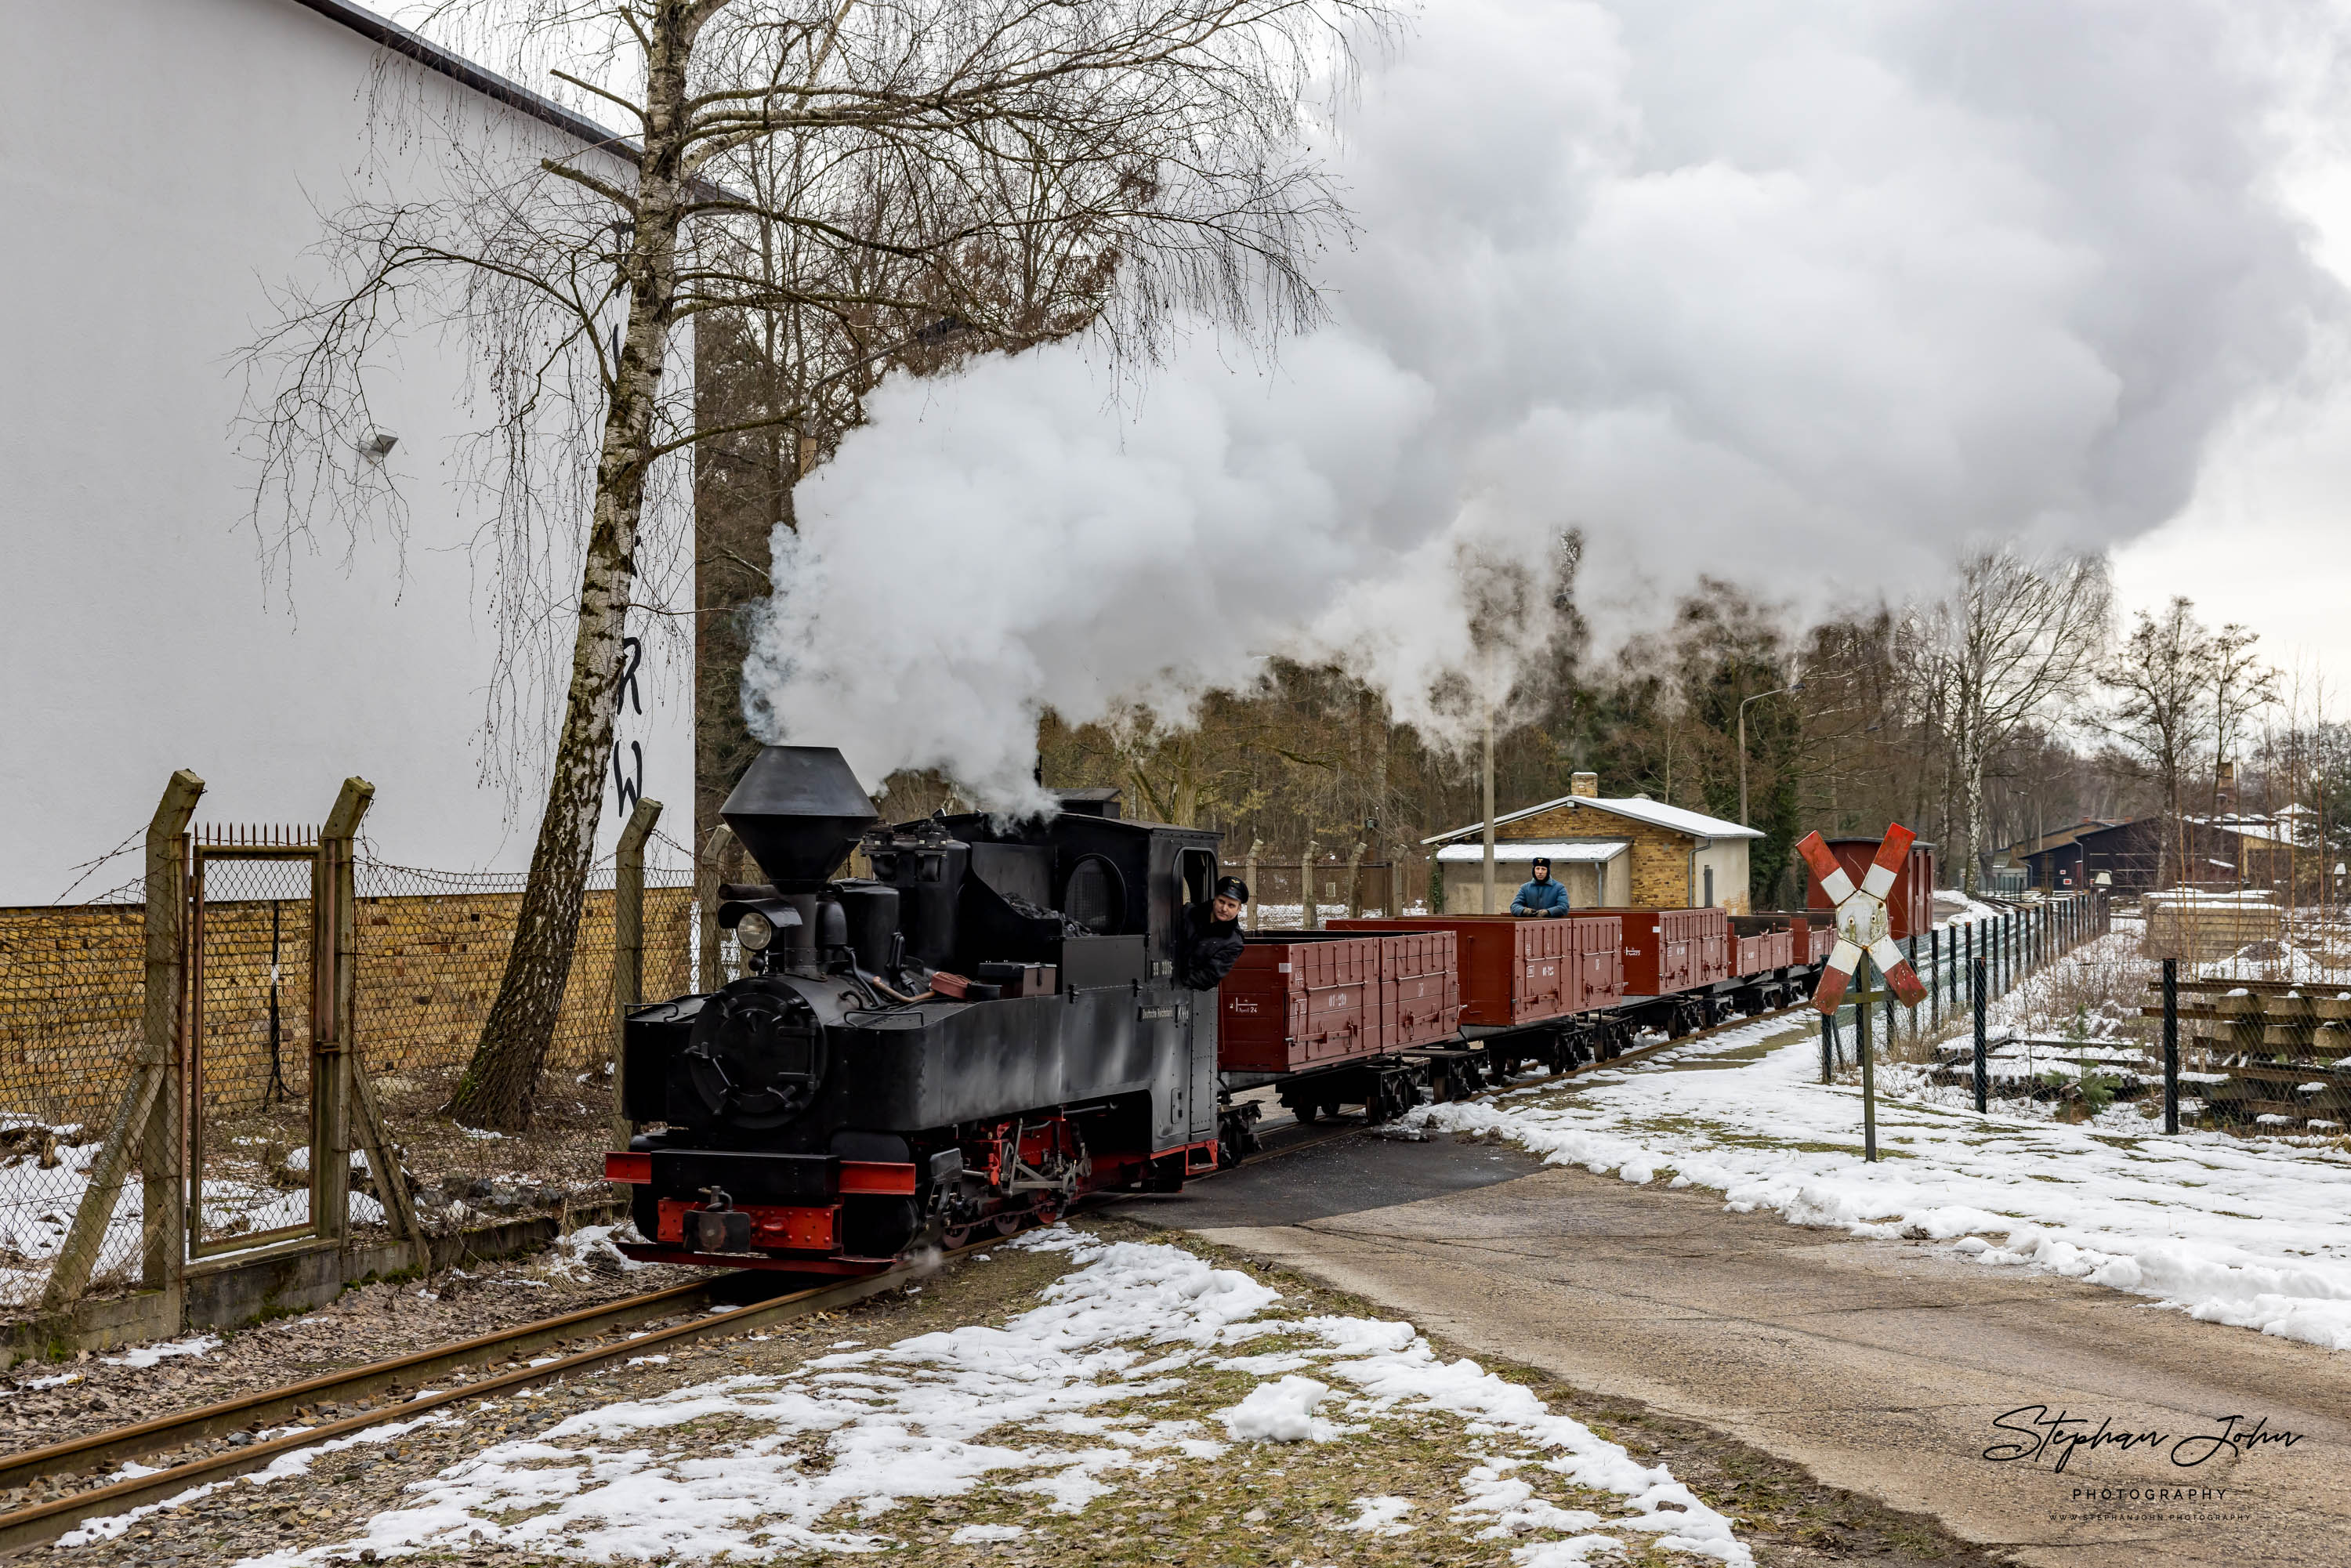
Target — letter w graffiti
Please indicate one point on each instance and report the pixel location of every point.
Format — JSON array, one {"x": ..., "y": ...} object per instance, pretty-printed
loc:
[{"x": 627, "y": 790}]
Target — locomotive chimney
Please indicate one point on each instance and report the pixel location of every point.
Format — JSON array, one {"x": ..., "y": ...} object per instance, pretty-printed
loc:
[{"x": 798, "y": 809}]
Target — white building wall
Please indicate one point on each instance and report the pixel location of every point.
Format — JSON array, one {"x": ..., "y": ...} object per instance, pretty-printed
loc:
[
  {"x": 163, "y": 164},
  {"x": 1728, "y": 858}
]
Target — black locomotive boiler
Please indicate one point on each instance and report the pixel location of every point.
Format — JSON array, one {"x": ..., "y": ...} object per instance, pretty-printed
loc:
[{"x": 985, "y": 1029}]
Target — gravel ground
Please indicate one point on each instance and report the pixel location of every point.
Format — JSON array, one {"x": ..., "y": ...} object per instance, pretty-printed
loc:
[
  {"x": 47, "y": 1402},
  {"x": 1261, "y": 1503}
]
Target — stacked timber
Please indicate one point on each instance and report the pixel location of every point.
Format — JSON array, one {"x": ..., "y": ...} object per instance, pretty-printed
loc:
[
  {"x": 2204, "y": 928},
  {"x": 2270, "y": 1054}
]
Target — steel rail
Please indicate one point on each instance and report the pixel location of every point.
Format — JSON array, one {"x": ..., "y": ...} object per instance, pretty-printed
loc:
[
  {"x": 349, "y": 1383},
  {"x": 44, "y": 1522}
]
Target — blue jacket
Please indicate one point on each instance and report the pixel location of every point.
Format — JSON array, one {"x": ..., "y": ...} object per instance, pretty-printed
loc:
[{"x": 1541, "y": 898}]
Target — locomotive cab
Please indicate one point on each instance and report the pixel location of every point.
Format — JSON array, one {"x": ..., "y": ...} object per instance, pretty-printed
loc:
[{"x": 964, "y": 1042}]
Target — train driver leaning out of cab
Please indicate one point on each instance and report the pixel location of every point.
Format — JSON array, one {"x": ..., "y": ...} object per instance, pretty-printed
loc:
[
  {"x": 1212, "y": 935},
  {"x": 1540, "y": 898}
]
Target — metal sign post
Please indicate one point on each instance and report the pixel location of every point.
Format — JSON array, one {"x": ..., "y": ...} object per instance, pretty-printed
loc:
[
  {"x": 1868, "y": 1066},
  {"x": 1864, "y": 932},
  {"x": 2171, "y": 1045}
]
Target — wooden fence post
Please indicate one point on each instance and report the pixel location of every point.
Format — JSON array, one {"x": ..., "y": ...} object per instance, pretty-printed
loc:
[
  {"x": 627, "y": 946},
  {"x": 1306, "y": 912},
  {"x": 334, "y": 979},
  {"x": 162, "y": 1158},
  {"x": 361, "y": 1117},
  {"x": 1248, "y": 871},
  {"x": 148, "y": 1116}
]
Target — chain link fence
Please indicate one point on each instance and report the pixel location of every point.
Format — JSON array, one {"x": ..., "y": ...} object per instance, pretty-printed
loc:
[
  {"x": 72, "y": 992},
  {"x": 432, "y": 948}
]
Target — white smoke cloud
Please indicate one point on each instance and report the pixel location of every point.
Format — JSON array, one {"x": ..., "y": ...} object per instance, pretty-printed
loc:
[{"x": 1804, "y": 297}]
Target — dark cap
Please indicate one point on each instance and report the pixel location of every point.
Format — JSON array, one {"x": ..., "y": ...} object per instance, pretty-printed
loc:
[
  {"x": 1543, "y": 861},
  {"x": 1232, "y": 887}
]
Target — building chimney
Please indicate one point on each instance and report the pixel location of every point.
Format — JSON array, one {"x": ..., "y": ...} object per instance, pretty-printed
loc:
[{"x": 1585, "y": 785}]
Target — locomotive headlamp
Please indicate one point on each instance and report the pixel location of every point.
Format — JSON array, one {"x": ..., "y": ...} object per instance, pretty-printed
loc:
[{"x": 754, "y": 931}]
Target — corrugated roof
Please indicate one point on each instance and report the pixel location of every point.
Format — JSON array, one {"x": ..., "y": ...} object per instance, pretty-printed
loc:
[
  {"x": 1579, "y": 851},
  {"x": 401, "y": 40},
  {"x": 1656, "y": 813}
]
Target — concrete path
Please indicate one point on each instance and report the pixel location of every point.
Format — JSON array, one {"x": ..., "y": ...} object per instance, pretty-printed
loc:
[{"x": 1881, "y": 1367}]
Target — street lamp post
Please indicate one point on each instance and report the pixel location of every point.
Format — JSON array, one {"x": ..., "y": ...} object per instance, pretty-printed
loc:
[{"x": 1758, "y": 697}]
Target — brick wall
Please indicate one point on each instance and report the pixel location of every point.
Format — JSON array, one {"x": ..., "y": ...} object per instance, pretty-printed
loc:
[
  {"x": 72, "y": 992},
  {"x": 1659, "y": 858},
  {"x": 1662, "y": 872},
  {"x": 430, "y": 966}
]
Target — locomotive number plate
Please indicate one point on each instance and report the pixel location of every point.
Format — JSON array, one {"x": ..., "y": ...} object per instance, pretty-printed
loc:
[{"x": 1148, "y": 1015}]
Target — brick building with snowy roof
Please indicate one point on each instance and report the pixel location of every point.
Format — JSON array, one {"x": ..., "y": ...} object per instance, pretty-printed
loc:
[{"x": 1605, "y": 850}]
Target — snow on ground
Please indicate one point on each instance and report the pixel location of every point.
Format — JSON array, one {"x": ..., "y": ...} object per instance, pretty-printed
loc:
[
  {"x": 2252, "y": 1233},
  {"x": 1954, "y": 907},
  {"x": 37, "y": 1208},
  {"x": 724, "y": 1467},
  {"x": 140, "y": 1358}
]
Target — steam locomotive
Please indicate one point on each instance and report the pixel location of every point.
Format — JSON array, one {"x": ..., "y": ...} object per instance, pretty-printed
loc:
[
  {"x": 984, "y": 1031},
  {"x": 991, "y": 1026}
]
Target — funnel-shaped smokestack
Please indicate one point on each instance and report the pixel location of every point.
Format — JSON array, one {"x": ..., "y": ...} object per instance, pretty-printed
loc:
[{"x": 798, "y": 809}]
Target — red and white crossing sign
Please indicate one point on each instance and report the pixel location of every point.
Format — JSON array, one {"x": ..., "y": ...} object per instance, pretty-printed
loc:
[{"x": 1862, "y": 926}]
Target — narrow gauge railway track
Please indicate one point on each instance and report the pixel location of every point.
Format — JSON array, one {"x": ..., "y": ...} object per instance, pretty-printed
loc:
[{"x": 45, "y": 1521}]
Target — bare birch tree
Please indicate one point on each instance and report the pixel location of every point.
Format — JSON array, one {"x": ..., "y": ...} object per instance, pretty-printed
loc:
[
  {"x": 2241, "y": 686},
  {"x": 2161, "y": 677},
  {"x": 1162, "y": 136},
  {"x": 2017, "y": 640}
]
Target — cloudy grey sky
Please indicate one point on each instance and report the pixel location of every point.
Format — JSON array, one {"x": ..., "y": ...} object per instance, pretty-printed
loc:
[{"x": 1809, "y": 297}]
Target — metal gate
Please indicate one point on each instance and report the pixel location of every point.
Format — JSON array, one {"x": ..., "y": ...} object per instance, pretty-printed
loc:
[{"x": 252, "y": 994}]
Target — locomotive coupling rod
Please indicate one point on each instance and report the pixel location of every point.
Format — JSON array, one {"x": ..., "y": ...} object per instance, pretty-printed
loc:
[{"x": 31, "y": 1527}]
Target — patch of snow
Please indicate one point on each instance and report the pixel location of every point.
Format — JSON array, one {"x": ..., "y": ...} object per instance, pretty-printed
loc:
[
  {"x": 60, "y": 1381},
  {"x": 936, "y": 1414},
  {"x": 594, "y": 1250},
  {"x": 140, "y": 1358},
  {"x": 1281, "y": 1411},
  {"x": 1379, "y": 1516}
]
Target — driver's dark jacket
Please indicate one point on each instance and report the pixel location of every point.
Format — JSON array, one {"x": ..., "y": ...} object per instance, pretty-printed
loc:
[{"x": 1210, "y": 947}]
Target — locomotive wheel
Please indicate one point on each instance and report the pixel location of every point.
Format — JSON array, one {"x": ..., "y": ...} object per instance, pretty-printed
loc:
[{"x": 1009, "y": 1222}]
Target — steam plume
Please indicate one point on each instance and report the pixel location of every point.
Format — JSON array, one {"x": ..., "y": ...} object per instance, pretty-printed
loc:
[{"x": 1804, "y": 297}]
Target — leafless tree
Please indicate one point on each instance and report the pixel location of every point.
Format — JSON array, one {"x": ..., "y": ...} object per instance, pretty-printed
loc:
[
  {"x": 2162, "y": 677},
  {"x": 2241, "y": 686},
  {"x": 2017, "y": 640},
  {"x": 848, "y": 157}
]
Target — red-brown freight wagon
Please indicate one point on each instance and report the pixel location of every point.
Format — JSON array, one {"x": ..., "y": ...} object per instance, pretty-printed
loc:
[
  {"x": 1297, "y": 999},
  {"x": 1420, "y": 993},
  {"x": 1515, "y": 971},
  {"x": 1668, "y": 950},
  {"x": 1770, "y": 941}
]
